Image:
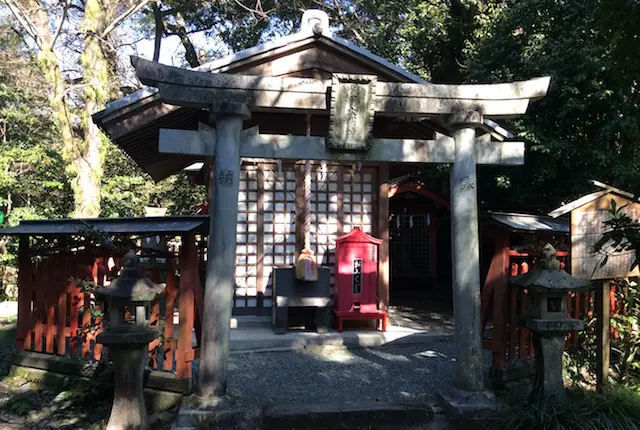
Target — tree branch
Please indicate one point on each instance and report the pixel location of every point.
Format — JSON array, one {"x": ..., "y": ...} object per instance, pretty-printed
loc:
[
  {"x": 63, "y": 18},
  {"x": 126, "y": 14},
  {"x": 255, "y": 11},
  {"x": 157, "y": 17},
  {"x": 180, "y": 30},
  {"x": 24, "y": 21},
  {"x": 356, "y": 33}
]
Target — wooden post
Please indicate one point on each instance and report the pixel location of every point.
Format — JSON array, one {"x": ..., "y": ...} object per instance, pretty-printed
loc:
[
  {"x": 154, "y": 319},
  {"x": 500, "y": 296},
  {"x": 383, "y": 233},
  {"x": 170, "y": 295},
  {"x": 602, "y": 334},
  {"x": 186, "y": 308},
  {"x": 25, "y": 320}
]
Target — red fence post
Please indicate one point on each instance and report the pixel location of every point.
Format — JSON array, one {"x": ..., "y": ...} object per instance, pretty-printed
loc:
[
  {"x": 25, "y": 320},
  {"x": 75, "y": 302},
  {"x": 170, "y": 297},
  {"x": 186, "y": 302},
  {"x": 154, "y": 320}
]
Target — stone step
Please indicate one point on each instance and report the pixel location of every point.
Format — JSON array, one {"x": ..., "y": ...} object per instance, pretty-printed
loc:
[
  {"x": 195, "y": 418},
  {"x": 250, "y": 321},
  {"x": 366, "y": 414}
]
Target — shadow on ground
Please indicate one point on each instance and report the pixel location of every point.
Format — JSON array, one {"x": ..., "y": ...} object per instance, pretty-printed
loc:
[{"x": 69, "y": 404}]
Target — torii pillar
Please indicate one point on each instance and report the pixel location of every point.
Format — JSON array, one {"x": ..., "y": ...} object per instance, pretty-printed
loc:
[
  {"x": 221, "y": 252},
  {"x": 465, "y": 252}
]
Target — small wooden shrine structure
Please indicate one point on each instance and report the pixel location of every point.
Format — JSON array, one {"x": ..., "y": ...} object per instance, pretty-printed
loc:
[
  {"x": 588, "y": 215},
  {"x": 62, "y": 262},
  {"x": 310, "y": 105},
  {"x": 415, "y": 214},
  {"x": 513, "y": 242}
]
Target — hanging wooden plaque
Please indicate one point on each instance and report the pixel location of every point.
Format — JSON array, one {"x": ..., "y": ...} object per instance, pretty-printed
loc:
[{"x": 351, "y": 113}]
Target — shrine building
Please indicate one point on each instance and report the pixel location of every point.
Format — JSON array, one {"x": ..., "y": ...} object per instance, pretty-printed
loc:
[{"x": 344, "y": 194}]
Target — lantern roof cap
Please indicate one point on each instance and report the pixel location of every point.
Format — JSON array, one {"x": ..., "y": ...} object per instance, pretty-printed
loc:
[
  {"x": 130, "y": 285},
  {"x": 548, "y": 277}
]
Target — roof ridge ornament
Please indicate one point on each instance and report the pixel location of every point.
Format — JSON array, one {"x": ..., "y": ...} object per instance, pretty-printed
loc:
[{"x": 315, "y": 21}]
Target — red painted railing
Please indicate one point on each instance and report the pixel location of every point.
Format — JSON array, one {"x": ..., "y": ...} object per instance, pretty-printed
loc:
[
  {"x": 59, "y": 315},
  {"x": 502, "y": 304}
]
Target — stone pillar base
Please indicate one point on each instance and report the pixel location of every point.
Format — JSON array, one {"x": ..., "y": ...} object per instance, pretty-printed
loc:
[
  {"x": 478, "y": 405},
  {"x": 219, "y": 412}
]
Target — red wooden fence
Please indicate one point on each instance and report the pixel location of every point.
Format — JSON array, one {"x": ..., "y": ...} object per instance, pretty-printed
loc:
[
  {"x": 57, "y": 316},
  {"x": 502, "y": 304}
]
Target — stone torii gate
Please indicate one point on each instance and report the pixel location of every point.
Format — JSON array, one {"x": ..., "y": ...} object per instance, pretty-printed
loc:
[{"x": 352, "y": 101}]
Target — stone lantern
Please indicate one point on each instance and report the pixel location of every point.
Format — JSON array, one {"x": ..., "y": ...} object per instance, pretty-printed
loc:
[
  {"x": 128, "y": 341},
  {"x": 547, "y": 317}
]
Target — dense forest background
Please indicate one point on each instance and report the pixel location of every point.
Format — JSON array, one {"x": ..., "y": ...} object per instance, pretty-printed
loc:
[{"x": 61, "y": 60}]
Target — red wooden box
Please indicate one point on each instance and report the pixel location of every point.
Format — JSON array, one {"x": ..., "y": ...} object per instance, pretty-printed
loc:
[{"x": 357, "y": 278}]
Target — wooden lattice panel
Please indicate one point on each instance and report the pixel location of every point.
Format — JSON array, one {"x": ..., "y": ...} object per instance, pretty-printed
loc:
[
  {"x": 279, "y": 223},
  {"x": 342, "y": 198},
  {"x": 246, "y": 291},
  {"x": 268, "y": 227}
]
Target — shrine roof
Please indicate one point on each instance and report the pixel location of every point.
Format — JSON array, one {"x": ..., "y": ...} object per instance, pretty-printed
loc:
[
  {"x": 133, "y": 122},
  {"x": 530, "y": 223},
  {"x": 274, "y": 47},
  {"x": 151, "y": 225},
  {"x": 588, "y": 198}
]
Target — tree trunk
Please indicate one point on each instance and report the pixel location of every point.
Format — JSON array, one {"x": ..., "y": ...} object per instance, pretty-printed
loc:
[
  {"x": 97, "y": 78},
  {"x": 48, "y": 64}
]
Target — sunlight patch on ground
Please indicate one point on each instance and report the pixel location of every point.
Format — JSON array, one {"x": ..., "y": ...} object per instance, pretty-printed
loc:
[
  {"x": 335, "y": 355},
  {"x": 429, "y": 354}
]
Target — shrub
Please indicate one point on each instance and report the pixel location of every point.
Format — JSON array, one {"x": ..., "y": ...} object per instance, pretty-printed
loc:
[{"x": 617, "y": 408}]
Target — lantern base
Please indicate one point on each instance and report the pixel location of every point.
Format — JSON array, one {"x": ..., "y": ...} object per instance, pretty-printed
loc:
[
  {"x": 220, "y": 412},
  {"x": 128, "y": 349},
  {"x": 128, "y": 410},
  {"x": 548, "y": 386}
]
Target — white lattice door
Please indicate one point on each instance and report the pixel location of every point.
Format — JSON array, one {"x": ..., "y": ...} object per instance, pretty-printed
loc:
[{"x": 342, "y": 197}]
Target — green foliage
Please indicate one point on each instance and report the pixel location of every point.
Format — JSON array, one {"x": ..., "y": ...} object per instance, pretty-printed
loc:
[
  {"x": 580, "y": 364},
  {"x": 20, "y": 404},
  {"x": 33, "y": 182},
  {"x": 126, "y": 190},
  {"x": 617, "y": 409},
  {"x": 625, "y": 345},
  {"x": 589, "y": 123}
]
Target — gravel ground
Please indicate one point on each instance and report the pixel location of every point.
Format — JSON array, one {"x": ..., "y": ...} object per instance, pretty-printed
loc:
[{"x": 390, "y": 373}]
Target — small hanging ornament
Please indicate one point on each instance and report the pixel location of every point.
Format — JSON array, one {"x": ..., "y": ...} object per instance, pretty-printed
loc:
[
  {"x": 411, "y": 221},
  {"x": 306, "y": 268}
]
